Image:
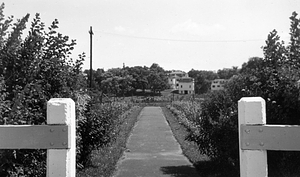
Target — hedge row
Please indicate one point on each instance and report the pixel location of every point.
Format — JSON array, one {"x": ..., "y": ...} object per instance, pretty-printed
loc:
[
  {"x": 210, "y": 125},
  {"x": 184, "y": 116},
  {"x": 97, "y": 127}
]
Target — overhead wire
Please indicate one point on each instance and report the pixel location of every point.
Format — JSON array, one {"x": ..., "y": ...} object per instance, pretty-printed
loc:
[{"x": 179, "y": 40}]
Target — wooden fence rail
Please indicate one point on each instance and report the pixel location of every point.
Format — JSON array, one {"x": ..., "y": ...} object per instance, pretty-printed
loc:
[
  {"x": 58, "y": 137},
  {"x": 255, "y": 137}
]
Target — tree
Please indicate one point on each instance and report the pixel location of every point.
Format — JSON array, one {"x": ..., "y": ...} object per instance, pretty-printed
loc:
[
  {"x": 4, "y": 25},
  {"x": 98, "y": 76},
  {"x": 227, "y": 73},
  {"x": 157, "y": 78},
  {"x": 139, "y": 75},
  {"x": 157, "y": 82},
  {"x": 33, "y": 70},
  {"x": 126, "y": 80},
  {"x": 208, "y": 75},
  {"x": 202, "y": 85},
  {"x": 253, "y": 64},
  {"x": 274, "y": 78},
  {"x": 294, "y": 45},
  {"x": 274, "y": 51},
  {"x": 202, "y": 80},
  {"x": 116, "y": 82},
  {"x": 155, "y": 67}
]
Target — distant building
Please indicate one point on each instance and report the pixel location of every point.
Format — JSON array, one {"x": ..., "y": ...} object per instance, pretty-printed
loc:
[
  {"x": 186, "y": 85},
  {"x": 173, "y": 78},
  {"x": 218, "y": 84},
  {"x": 179, "y": 80}
]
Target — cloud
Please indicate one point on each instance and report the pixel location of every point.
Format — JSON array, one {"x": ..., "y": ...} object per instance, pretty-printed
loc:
[{"x": 192, "y": 28}]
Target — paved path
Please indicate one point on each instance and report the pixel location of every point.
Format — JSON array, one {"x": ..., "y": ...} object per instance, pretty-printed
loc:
[{"x": 153, "y": 150}]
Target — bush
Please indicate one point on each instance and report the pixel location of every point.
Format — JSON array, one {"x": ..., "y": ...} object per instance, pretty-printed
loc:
[
  {"x": 33, "y": 70},
  {"x": 273, "y": 78},
  {"x": 212, "y": 125},
  {"x": 217, "y": 135},
  {"x": 191, "y": 109},
  {"x": 187, "y": 113},
  {"x": 98, "y": 128}
]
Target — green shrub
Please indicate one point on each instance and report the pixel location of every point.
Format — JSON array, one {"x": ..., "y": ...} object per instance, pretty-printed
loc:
[
  {"x": 217, "y": 135},
  {"x": 98, "y": 128},
  {"x": 187, "y": 113},
  {"x": 33, "y": 70},
  {"x": 273, "y": 78},
  {"x": 212, "y": 125},
  {"x": 191, "y": 109}
]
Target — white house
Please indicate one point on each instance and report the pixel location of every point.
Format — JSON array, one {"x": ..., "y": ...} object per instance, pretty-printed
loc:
[
  {"x": 179, "y": 80},
  {"x": 173, "y": 78},
  {"x": 186, "y": 85},
  {"x": 218, "y": 84}
]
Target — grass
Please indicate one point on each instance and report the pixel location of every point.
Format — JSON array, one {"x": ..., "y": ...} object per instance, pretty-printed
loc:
[
  {"x": 202, "y": 163},
  {"x": 105, "y": 159}
]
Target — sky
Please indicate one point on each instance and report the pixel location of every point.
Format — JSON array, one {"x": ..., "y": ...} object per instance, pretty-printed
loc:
[{"x": 176, "y": 34}]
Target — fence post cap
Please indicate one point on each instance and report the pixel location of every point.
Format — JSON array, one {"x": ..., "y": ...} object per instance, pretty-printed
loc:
[
  {"x": 60, "y": 110},
  {"x": 251, "y": 99},
  {"x": 61, "y": 100},
  {"x": 252, "y": 110}
]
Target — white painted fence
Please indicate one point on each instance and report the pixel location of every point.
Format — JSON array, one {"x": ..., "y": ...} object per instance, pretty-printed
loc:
[
  {"x": 255, "y": 137},
  {"x": 58, "y": 137}
]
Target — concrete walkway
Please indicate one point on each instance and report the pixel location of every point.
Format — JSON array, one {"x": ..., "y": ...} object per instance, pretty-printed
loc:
[{"x": 153, "y": 150}]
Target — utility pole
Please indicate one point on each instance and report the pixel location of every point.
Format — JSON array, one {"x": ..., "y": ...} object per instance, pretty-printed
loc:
[{"x": 91, "y": 56}]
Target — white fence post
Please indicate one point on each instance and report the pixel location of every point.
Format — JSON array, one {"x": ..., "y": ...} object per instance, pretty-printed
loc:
[
  {"x": 253, "y": 163},
  {"x": 62, "y": 162}
]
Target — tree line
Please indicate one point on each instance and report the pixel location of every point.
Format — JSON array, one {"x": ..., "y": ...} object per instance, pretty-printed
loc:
[{"x": 127, "y": 81}]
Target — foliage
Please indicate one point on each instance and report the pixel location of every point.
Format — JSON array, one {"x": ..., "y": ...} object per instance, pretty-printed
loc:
[
  {"x": 38, "y": 68},
  {"x": 202, "y": 80},
  {"x": 157, "y": 78},
  {"x": 227, "y": 73},
  {"x": 218, "y": 128},
  {"x": 187, "y": 113},
  {"x": 32, "y": 70},
  {"x": 202, "y": 85},
  {"x": 211, "y": 125},
  {"x": 4, "y": 104},
  {"x": 294, "y": 45},
  {"x": 209, "y": 75},
  {"x": 127, "y": 80},
  {"x": 191, "y": 109},
  {"x": 105, "y": 158},
  {"x": 98, "y": 128},
  {"x": 116, "y": 82},
  {"x": 273, "y": 78},
  {"x": 139, "y": 75}
]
